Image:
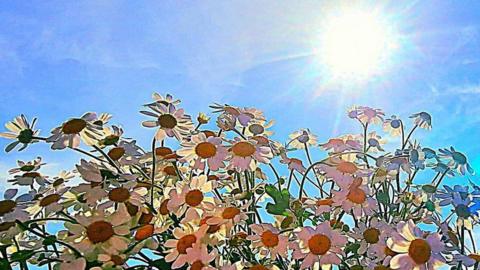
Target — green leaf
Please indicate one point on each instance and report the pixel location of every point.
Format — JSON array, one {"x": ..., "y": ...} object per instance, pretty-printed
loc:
[
  {"x": 4, "y": 264},
  {"x": 281, "y": 200},
  {"x": 353, "y": 247},
  {"x": 382, "y": 197},
  {"x": 50, "y": 240}
]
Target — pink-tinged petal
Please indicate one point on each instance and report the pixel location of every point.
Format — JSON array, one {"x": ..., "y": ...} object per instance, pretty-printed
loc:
[
  {"x": 309, "y": 261},
  {"x": 401, "y": 261},
  {"x": 179, "y": 262},
  {"x": 435, "y": 242},
  {"x": 329, "y": 258}
]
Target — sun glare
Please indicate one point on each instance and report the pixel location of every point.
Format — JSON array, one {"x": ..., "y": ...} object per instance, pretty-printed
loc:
[{"x": 356, "y": 44}]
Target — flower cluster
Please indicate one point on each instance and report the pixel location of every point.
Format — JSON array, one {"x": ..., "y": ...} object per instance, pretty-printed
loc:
[{"x": 223, "y": 194}]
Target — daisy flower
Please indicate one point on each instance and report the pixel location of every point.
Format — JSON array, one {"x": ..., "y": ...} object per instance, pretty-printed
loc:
[
  {"x": 12, "y": 209},
  {"x": 171, "y": 122},
  {"x": 101, "y": 231},
  {"x": 456, "y": 160},
  {"x": 319, "y": 245},
  {"x": 302, "y": 137},
  {"x": 293, "y": 163},
  {"x": 227, "y": 216},
  {"x": 373, "y": 238},
  {"x": 202, "y": 150},
  {"x": 168, "y": 99},
  {"x": 199, "y": 258},
  {"x": 71, "y": 131},
  {"x": 269, "y": 240},
  {"x": 110, "y": 136},
  {"x": 29, "y": 166},
  {"x": 191, "y": 197},
  {"x": 393, "y": 125},
  {"x": 259, "y": 128},
  {"x": 422, "y": 119},
  {"x": 415, "y": 248},
  {"x": 366, "y": 115},
  {"x": 245, "y": 153},
  {"x": 128, "y": 193},
  {"x": 185, "y": 238},
  {"x": 375, "y": 142},
  {"x": 21, "y": 131},
  {"x": 355, "y": 197},
  {"x": 342, "y": 144},
  {"x": 48, "y": 202}
]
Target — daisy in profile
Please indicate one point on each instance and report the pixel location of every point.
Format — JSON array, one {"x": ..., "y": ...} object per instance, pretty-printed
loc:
[
  {"x": 111, "y": 135},
  {"x": 171, "y": 122},
  {"x": 268, "y": 240},
  {"x": 415, "y": 249},
  {"x": 355, "y": 197},
  {"x": 456, "y": 160},
  {"x": 29, "y": 166},
  {"x": 342, "y": 144},
  {"x": 191, "y": 198},
  {"x": 366, "y": 115},
  {"x": 393, "y": 125},
  {"x": 293, "y": 163},
  {"x": 185, "y": 237},
  {"x": 422, "y": 119},
  {"x": 320, "y": 245},
  {"x": 301, "y": 138},
  {"x": 244, "y": 155},
  {"x": 165, "y": 100},
  {"x": 71, "y": 131},
  {"x": 375, "y": 142},
  {"x": 202, "y": 150},
  {"x": 48, "y": 201},
  {"x": 21, "y": 131},
  {"x": 101, "y": 231}
]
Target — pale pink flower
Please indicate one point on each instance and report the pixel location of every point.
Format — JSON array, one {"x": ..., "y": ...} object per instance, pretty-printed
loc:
[
  {"x": 185, "y": 238},
  {"x": 416, "y": 249},
  {"x": 71, "y": 131},
  {"x": 202, "y": 150},
  {"x": 321, "y": 245},
  {"x": 199, "y": 258},
  {"x": 171, "y": 122},
  {"x": 355, "y": 196},
  {"x": 269, "y": 240},
  {"x": 244, "y": 155}
]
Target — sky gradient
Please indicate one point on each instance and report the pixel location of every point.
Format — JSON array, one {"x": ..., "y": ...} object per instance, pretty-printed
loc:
[{"x": 59, "y": 59}]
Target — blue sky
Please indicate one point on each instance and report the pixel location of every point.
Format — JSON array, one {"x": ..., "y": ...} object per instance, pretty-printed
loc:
[{"x": 59, "y": 59}]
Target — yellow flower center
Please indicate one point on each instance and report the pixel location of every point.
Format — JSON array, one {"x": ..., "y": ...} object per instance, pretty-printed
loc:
[
  {"x": 47, "y": 200},
  {"x": 357, "y": 195},
  {"x": 256, "y": 129},
  {"x": 119, "y": 194},
  {"x": 319, "y": 244},
  {"x": 205, "y": 150},
  {"x": 230, "y": 212},
  {"x": 371, "y": 235},
  {"x": 167, "y": 121},
  {"x": 194, "y": 197},
  {"x": 6, "y": 206},
  {"x": 269, "y": 239},
  {"x": 99, "y": 231},
  {"x": 163, "y": 207},
  {"x": 163, "y": 151},
  {"x": 185, "y": 242},
  {"x": 243, "y": 149},
  {"x": 74, "y": 126},
  {"x": 196, "y": 265},
  {"x": 420, "y": 251},
  {"x": 116, "y": 153}
]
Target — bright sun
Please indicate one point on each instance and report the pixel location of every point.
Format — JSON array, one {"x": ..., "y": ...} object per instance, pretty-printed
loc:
[{"x": 356, "y": 44}]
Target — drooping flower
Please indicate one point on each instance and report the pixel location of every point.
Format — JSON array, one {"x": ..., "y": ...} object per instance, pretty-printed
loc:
[
  {"x": 21, "y": 131},
  {"x": 71, "y": 131},
  {"x": 202, "y": 150},
  {"x": 393, "y": 125},
  {"x": 415, "y": 249},
  {"x": 342, "y": 144},
  {"x": 171, "y": 122},
  {"x": 422, "y": 119},
  {"x": 300, "y": 138},
  {"x": 321, "y": 245},
  {"x": 456, "y": 160}
]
